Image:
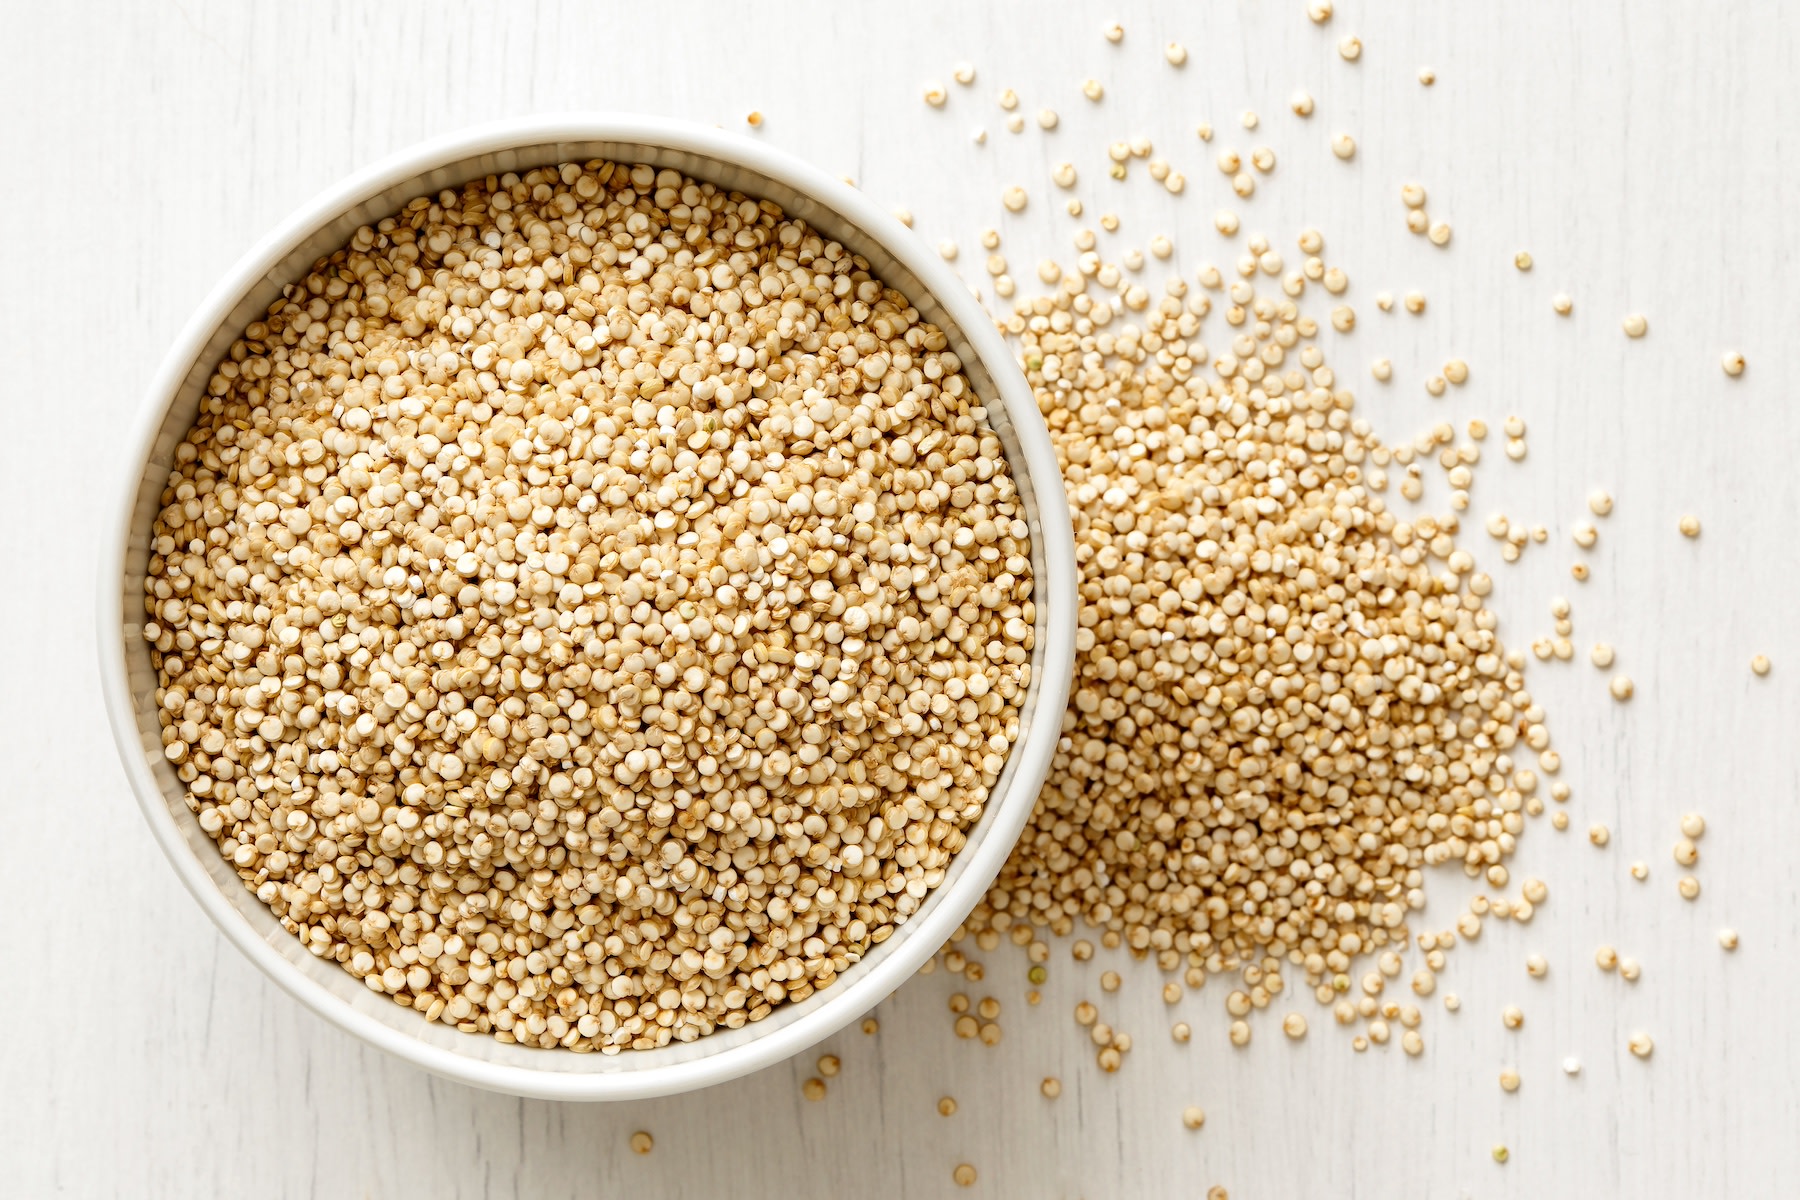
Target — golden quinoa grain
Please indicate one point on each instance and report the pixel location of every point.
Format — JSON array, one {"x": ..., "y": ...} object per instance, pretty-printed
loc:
[{"x": 516, "y": 519}]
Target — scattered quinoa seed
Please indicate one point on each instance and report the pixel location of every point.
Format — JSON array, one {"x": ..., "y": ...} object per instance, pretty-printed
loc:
[
  {"x": 813, "y": 1089},
  {"x": 642, "y": 1143},
  {"x": 1350, "y": 48},
  {"x": 1302, "y": 104},
  {"x": 1294, "y": 1025},
  {"x": 946, "y": 1106},
  {"x": 1641, "y": 1045},
  {"x": 1180, "y": 1031},
  {"x": 830, "y": 1065},
  {"x": 1689, "y": 525},
  {"x": 1562, "y": 304},
  {"x": 1343, "y": 145},
  {"x": 1621, "y": 686},
  {"x": 1733, "y": 363},
  {"x": 1509, "y": 1080},
  {"x": 1728, "y": 938},
  {"x": 964, "y": 1175},
  {"x": 1427, "y": 76},
  {"x": 1318, "y": 11},
  {"x": 1759, "y": 664},
  {"x": 1176, "y": 53},
  {"x": 1606, "y": 958},
  {"x": 1689, "y": 887},
  {"x": 1501, "y": 1154},
  {"x": 1635, "y": 325},
  {"x": 1193, "y": 1116},
  {"x": 1522, "y": 260},
  {"x": 935, "y": 95}
]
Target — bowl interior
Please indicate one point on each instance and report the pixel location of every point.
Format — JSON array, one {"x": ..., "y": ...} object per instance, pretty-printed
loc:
[{"x": 323, "y": 984}]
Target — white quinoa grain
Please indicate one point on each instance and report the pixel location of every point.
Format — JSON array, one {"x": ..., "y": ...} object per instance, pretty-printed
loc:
[
  {"x": 1733, "y": 363},
  {"x": 1728, "y": 939},
  {"x": 1621, "y": 687},
  {"x": 540, "y": 496},
  {"x": 1343, "y": 145},
  {"x": 1759, "y": 664},
  {"x": 1350, "y": 48},
  {"x": 1635, "y": 325},
  {"x": 1302, "y": 103}
]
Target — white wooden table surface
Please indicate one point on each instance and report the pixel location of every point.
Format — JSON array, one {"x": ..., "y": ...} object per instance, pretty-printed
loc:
[{"x": 1645, "y": 151}]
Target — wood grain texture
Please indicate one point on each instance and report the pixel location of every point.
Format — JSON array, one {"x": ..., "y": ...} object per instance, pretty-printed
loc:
[{"x": 1643, "y": 150}]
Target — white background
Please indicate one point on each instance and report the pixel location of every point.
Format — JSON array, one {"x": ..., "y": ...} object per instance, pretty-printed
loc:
[{"x": 1645, "y": 152}]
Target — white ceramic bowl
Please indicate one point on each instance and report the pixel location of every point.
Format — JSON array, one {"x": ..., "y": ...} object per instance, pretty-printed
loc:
[{"x": 899, "y": 259}]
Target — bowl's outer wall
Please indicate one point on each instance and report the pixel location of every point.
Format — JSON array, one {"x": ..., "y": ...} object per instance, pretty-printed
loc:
[{"x": 901, "y": 261}]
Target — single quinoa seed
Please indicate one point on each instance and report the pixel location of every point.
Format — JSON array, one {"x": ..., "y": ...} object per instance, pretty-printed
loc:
[
  {"x": 642, "y": 1143},
  {"x": 1193, "y": 1116},
  {"x": 574, "y": 567}
]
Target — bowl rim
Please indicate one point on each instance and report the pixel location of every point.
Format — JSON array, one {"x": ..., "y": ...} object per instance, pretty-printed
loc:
[{"x": 1055, "y": 595}]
